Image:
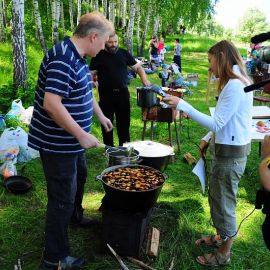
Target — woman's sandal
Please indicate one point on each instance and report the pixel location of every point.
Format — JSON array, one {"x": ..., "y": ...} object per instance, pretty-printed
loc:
[
  {"x": 214, "y": 259},
  {"x": 211, "y": 241}
]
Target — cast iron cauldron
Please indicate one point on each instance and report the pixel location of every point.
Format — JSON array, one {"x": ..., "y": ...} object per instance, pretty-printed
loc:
[
  {"x": 119, "y": 156},
  {"x": 130, "y": 200}
]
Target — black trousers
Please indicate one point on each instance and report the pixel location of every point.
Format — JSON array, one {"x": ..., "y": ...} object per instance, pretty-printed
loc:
[
  {"x": 116, "y": 104},
  {"x": 65, "y": 175},
  {"x": 177, "y": 61}
]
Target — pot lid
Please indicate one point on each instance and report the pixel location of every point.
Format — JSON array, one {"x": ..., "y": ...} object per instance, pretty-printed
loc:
[{"x": 151, "y": 148}]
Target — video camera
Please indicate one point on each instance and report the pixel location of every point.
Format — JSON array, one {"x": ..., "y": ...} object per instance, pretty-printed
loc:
[
  {"x": 264, "y": 56},
  {"x": 264, "y": 51}
]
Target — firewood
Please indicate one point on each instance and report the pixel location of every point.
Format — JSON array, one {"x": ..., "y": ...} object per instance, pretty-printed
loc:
[
  {"x": 140, "y": 263},
  {"x": 153, "y": 242},
  {"x": 189, "y": 158}
]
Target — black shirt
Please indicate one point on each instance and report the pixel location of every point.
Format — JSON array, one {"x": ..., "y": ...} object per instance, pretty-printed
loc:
[{"x": 112, "y": 68}]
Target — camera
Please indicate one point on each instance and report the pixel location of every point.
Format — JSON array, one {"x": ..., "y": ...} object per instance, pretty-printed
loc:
[{"x": 264, "y": 51}]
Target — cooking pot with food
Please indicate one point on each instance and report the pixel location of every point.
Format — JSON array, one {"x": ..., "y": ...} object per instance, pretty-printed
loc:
[
  {"x": 153, "y": 154},
  {"x": 132, "y": 187},
  {"x": 121, "y": 155}
]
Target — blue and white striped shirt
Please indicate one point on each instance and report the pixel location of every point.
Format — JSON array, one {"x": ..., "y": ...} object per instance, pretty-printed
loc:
[{"x": 65, "y": 73}]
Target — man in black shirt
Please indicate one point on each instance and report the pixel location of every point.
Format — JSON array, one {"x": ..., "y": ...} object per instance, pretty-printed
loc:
[{"x": 110, "y": 65}]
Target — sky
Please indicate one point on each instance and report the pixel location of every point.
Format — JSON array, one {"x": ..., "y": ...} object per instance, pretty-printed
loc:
[{"x": 228, "y": 12}]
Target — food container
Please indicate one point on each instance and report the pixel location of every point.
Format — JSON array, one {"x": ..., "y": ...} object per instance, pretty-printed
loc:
[
  {"x": 120, "y": 156},
  {"x": 153, "y": 154},
  {"x": 146, "y": 98},
  {"x": 131, "y": 199},
  {"x": 17, "y": 184}
]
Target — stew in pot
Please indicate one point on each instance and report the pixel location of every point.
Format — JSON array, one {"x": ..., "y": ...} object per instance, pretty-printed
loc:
[{"x": 134, "y": 179}]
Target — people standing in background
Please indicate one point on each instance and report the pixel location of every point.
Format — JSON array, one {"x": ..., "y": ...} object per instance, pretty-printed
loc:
[
  {"x": 153, "y": 49},
  {"x": 110, "y": 65},
  {"x": 161, "y": 50},
  {"x": 177, "y": 54},
  {"x": 229, "y": 140}
]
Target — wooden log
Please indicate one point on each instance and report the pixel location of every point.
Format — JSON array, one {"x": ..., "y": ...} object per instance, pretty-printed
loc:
[{"x": 153, "y": 242}]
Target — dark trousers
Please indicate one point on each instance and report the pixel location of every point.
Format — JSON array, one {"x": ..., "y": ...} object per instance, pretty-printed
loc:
[
  {"x": 177, "y": 61},
  {"x": 118, "y": 105},
  {"x": 65, "y": 175}
]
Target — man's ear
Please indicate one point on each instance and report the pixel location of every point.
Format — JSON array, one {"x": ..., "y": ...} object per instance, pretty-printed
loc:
[{"x": 92, "y": 36}]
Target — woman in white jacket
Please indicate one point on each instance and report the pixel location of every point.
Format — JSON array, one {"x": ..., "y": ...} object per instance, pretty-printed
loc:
[{"x": 229, "y": 140}]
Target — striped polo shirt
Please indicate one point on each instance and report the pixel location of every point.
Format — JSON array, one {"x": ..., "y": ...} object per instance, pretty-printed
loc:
[{"x": 65, "y": 73}]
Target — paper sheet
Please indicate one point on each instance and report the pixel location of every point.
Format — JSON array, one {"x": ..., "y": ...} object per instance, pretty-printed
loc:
[{"x": 199, "y": 170}]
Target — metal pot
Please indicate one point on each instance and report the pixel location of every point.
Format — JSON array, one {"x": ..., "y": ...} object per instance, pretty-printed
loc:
[
  {"x": 146, "y": 98},
  {"x": 153, "y": 154},
  {"x": 119, "y": 156},
  {"x": 130, "y": 200}
]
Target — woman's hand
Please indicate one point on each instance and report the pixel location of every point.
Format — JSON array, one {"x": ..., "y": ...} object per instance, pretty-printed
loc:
[
  {"x": 266, "y": 146},
  {"x": 171, "y": 100},
  {"x": 203, "y": 148}
]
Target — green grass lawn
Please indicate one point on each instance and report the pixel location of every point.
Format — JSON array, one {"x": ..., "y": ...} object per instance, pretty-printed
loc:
[{"x": 182, "y": 211}]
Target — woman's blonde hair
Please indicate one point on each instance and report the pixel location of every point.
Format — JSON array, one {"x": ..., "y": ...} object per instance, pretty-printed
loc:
[{"x": 226, "y": 56}]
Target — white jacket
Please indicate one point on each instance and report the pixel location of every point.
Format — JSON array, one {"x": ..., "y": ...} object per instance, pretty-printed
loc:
[{"x": 232, "y": 119}]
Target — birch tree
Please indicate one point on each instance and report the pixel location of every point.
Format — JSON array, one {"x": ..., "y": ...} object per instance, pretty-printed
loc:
[
  {"x": 2, "y": 24},
  {"x": 138, "y": 23},
  {"x": 79, "y": 10},
  {"x": 124, "y": 21},
  {"x": 55, "y": 20},
  {"x": 95, "y": 5},
  {"x": 71, "y": 15},
  {"x": 63, "y": 18},
  {"x": 39, "y": 27},
  {"x": 146, "y": 23},
  {"x": 111, "y": 11},
  {"x": 18, "y": 44},
  {"x": 156, "y": 25},
  {"x": 105, "y": 8},
  {"x": 131, "y": 25}
]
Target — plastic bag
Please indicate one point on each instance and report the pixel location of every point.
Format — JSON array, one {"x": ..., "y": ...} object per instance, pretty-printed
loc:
[
  {"x": 26, "y": 154},
  {"x": 26, "y": 115},
  {"x": 8, "y": 169},
  {"x": 17, "y": 109}
]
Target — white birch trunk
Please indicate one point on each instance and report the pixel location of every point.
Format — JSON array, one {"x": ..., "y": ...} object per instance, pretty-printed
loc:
[
  {"x": 138, "y": 29},
  {"x": 39, "y": 27},
  {"x": 18, "y": 44},
  {"x": 145, "y": 30},
  {"x": 124, "y": 21},
  {"x": 131, "y": 25},
  {"x": 111, "y": 11},
  {"x": 71, "y": 15},
  {"x": 63, "y": 19},
  {"x": 55, "y": 20},
  {"x": 105, "y": 8},
  {"x": 79, "y": 10},
  {"x": 156, "y": 25},
  {"x": 2, "y": 24},
  {"x": 95, "y": 3}
]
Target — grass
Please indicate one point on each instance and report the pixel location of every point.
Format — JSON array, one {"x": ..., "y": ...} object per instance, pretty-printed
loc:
[{"x": 181, "y": 214}]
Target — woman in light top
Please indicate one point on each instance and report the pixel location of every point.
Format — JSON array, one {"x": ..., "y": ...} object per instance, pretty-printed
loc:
[{"x": 229, "y": 139}]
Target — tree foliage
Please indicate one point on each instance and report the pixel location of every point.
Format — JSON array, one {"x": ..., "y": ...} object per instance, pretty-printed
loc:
[{"x": 252, "y": 23}]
